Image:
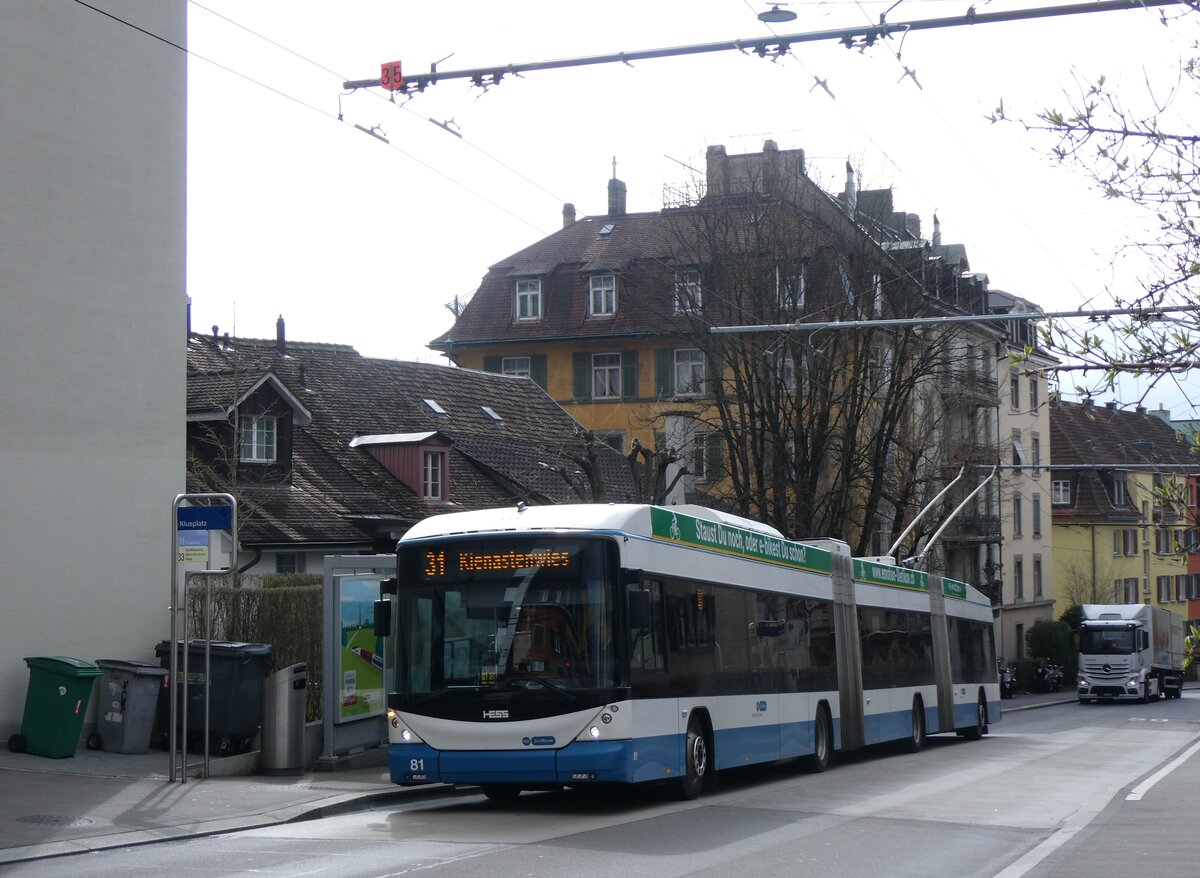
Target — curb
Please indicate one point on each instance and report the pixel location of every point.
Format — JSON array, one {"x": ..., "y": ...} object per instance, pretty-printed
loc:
[{"x": 333, "y": 806}]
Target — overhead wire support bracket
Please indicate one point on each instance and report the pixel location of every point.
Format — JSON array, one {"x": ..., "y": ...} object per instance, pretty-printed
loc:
[{"x": 853, "y": 37}]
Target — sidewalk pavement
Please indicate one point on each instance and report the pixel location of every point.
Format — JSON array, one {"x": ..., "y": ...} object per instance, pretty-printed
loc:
[{"x": 97, "y": 800}]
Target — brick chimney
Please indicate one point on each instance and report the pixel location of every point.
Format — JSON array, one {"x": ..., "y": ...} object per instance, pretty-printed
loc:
[
  {"x": 716, "y": 170},
  {"x": 850, "y": 195},
  {"x": 616, "y": 195},
  {"x": 568, "y": 214},
  {"x": 280, "y": 340}
]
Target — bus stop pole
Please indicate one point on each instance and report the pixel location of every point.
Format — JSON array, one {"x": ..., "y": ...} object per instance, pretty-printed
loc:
[{"x": 176, "y": 715}]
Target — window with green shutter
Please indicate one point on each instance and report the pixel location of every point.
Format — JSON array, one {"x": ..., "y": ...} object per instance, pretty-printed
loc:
[
  {"x": 664, "y": 373},
  {"x": 629, "y": 375}
]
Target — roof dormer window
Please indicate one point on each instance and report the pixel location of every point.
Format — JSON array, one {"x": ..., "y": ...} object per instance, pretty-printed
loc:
[
  {"x": 602, "y": 298},
  {"x": 258, "y": 439},
  {"x": 527, "y": 304},
  {"x": 435, "y": 408},
  {"x": 433, "y": 475}
]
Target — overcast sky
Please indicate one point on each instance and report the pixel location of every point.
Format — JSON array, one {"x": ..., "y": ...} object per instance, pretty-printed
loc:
[{"x": 356, "y": 241}]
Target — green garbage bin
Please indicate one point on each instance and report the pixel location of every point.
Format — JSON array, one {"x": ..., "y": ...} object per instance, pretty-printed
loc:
[{"x": 55, "y": 704}]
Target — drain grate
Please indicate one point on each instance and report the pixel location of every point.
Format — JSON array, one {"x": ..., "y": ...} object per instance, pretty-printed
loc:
[{"x": 56, "y": 820}]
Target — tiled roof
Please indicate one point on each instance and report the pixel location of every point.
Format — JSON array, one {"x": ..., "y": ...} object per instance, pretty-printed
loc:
[
  {"x": 333, "y": 486},
  {"x": 564, "y": 259},
  {"x": 1088, "y": 441},
  {"x": 644, "y": 250},
  {"x": 1088, "y": 435}
]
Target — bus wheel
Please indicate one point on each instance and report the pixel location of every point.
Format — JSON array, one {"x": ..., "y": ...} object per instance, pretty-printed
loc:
[
  {"x": 501, "y": 792},
  {"x": 916, "y": 739},
  {"x": 696, "y": 759},
  {"x": 822, "y": 743},
  {"x": 977, "y": 731}
]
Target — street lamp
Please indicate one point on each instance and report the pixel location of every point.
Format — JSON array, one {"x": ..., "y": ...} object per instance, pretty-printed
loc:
[{"x": 775, "y": 15}]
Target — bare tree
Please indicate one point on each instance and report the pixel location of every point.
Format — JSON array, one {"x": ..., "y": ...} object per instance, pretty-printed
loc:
[
  {"x": 1140, "y": 149},
  {"x": 822, "y": 432}
]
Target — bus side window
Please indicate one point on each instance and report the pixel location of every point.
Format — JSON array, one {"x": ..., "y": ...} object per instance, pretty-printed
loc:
[{"x": 646, "y": 650}]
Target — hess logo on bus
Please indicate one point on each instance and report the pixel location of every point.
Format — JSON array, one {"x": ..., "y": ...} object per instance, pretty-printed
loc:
[{"x": 495, "y": 714}]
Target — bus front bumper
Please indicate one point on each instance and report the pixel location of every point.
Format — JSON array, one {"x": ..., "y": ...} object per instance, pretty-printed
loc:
[{"x": 579, "y": 762}]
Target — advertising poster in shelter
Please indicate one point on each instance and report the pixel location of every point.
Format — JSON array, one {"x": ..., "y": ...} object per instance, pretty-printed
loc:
[{"x": 360, "y": 671}]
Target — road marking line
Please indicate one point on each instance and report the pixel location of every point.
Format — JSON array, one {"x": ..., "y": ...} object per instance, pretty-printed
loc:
[{"x": 1141, "y": 789}]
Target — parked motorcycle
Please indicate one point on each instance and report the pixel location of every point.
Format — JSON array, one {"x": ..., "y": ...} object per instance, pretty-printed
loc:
[
  {"x": 1047, "y": 677},
  {"x": 1008, "y": 680}
]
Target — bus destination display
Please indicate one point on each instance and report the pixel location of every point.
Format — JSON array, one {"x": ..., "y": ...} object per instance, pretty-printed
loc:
[{"x": 476, "y": 562}]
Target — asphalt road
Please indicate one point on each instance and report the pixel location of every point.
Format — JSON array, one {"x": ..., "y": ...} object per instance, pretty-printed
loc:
[{"x": 1066, "y": 790}]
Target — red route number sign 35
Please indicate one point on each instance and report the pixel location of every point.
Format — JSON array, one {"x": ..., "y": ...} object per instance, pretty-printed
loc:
[{"x": 389, "y": 76}]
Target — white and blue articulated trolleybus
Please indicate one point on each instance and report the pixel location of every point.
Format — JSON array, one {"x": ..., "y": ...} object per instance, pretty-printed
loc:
[{"x": 545, "y": 647}]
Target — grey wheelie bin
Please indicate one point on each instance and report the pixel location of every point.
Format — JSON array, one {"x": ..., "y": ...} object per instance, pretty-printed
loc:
[{"x": 125, "y": 705}]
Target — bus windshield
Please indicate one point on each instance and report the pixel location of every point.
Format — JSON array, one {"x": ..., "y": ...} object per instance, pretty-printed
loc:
[
  {"x": 1107, "y": 641},
  {"x": 506, "y": 613}
]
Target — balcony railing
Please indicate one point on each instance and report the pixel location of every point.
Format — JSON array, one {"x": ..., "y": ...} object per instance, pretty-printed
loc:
[{"x": 976, "y": 527}]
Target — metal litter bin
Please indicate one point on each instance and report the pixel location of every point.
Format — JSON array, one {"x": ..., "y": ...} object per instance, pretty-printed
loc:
[
  {"x": 283, "y": 721},
  {"x": 125, "y": 705},
  {"x": 55, "y": 704}
]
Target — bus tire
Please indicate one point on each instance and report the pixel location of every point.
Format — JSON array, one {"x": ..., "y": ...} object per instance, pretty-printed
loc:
[
  {"x": 696, "y": 762},
  {"x": 501, "y": 792},
  {"x": 822, "y": 743},
  {"x": 916, "y": 739},
  {"x": 977, "y": 731}
]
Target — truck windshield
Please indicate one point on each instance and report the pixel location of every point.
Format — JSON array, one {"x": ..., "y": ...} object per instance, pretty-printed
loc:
[
  {"x": 1107, "y": 641},
  {"x": 505, "y": 614}
]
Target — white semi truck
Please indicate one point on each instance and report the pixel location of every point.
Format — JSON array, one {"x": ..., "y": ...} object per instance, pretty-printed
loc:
[{"x": 1131, "y": 652}]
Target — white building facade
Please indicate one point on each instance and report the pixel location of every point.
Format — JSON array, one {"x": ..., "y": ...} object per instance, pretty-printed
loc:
[
  {"x": 1027, "y": 560},
  {"x": 92, "y": 329}
]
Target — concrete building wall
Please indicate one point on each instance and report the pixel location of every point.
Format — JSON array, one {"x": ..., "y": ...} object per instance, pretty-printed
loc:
[
  {"x": 1024, "y": 419},
  {"x": 92, "y": 323}
]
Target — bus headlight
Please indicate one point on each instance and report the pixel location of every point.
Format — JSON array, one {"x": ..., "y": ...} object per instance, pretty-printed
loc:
[
  {"x": 594, "y": 732},
  {"x": 392, "y": 719},
  {"x": 406, "y": 736},
  {"x": 1133, "y": 683}
]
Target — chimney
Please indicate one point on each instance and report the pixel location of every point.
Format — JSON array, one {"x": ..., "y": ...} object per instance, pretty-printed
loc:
[
  {"x": 280, "y": 341},
  {"x": 912, "y": 225},
  {"x": 1111, "y": 405},
  {"x": 568, "y": 214},
  {"x": 716, "y": 170},
  {"x": 937, "y": 232},
  {"x": 616, "y": 194},
  {"x": 303, "y": 382},
  {"x": 850, "y": 195},
  {"x": 1141, "y": 409},
  {"x": 770, "y": 168}
]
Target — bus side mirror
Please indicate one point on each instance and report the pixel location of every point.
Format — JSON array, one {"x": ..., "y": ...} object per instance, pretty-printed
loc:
[
  {"x": 383, "y": 618},
  {"x": 639, "y": 608}
]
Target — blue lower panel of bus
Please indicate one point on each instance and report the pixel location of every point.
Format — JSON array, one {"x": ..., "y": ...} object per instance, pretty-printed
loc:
[
  {"x": 746, "y": 746},
  {"x": 578, "y": 762}
]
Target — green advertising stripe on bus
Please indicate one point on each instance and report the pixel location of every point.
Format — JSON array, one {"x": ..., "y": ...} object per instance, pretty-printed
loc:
[
  {"x": 952, "y": 588},
  {"x": 680, "y": 528},
  {"x": 887, "y": 575}
]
